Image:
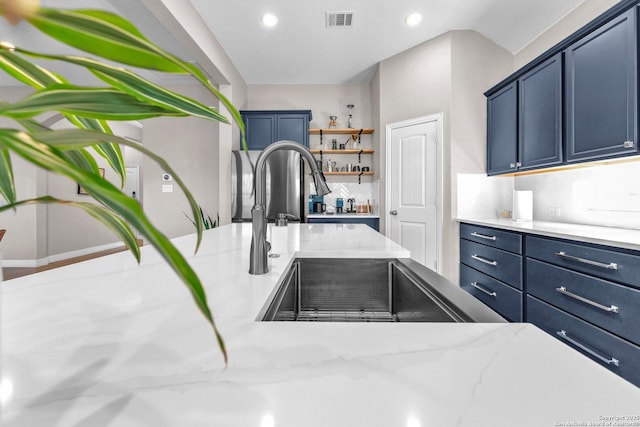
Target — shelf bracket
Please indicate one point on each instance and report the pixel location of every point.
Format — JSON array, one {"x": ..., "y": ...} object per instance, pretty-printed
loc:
[
  {"x": 360, "y": 178},
  {"x": 321, "y": 142},
  {"x": 360, "y": 133},
  {"x": 360, "y": 156},
  {"x": 321, "y": 157}
]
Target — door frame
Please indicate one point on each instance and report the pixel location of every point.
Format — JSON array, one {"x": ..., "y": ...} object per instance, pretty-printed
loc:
[{"x": 438, "y": 118}]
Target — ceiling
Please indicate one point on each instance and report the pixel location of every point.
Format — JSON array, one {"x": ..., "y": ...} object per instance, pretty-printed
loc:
[{"x": 301, "y": 50}]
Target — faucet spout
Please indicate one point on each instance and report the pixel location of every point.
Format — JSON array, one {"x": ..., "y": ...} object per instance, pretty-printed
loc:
[{"x": 259, "y": 245}]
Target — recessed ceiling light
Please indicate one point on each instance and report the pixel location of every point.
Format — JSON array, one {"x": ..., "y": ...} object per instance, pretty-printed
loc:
[
  {"x": 413, "y": 19},
  {"x": 269, "y": 19}
]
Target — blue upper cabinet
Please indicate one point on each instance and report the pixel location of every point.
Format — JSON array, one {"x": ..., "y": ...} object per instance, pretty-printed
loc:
[
  {"x": 540, "y": 115},
  {"x": 601, "y": 94},
  {"x": 266, "y": 127},
  {"x": 502, "y": 130}
]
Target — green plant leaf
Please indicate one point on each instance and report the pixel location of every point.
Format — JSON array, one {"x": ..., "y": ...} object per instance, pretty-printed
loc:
[
  {"x": 97, "y": 103},
  {"x": 49, "y": 158},
  {"x": 7, "y": 185},
  {"x": 82, "y": 159},
  {"x": 102, "y": 214},
  {"x": 39, "y": 78},
  {"x": 112, "y": 37},
  {"x": 104, "y": 34},
  {"x": 68, "y": 139},
  {"x": 27, "y": 72},
  {"x": 137, "y": 86},
  {"x": 109, "y": 151}
]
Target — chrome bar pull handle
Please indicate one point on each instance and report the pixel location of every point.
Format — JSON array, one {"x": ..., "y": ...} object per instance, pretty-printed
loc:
[
  {"x": 483, "y": 290},
  {"x": 486, "y": 261},
  {"x": 483, "y": 236},
  {"x": 613, "y": 361},
  {"x": 610, "y": 309},
  {"x": 610, "y": 266}
]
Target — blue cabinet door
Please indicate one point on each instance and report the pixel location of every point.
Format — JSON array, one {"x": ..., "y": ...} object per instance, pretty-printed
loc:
[
  {"x": 260, "y": 130},
  {"x": 265, "y": 127},
  {"x": 293, "y": 127},
  {"x": 600, "y": 91},
  {"x": 502, "y": 130},
  {"x": 540, "y": 115}
]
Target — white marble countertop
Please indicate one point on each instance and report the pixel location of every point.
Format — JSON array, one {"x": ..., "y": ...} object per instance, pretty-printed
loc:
[
  {"x": 610, "y": 236},
  {"x": 109, "y": 343}
]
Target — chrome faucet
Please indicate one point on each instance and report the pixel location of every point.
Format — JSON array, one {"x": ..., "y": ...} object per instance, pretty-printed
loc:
[{"x": 259, "y": 245}]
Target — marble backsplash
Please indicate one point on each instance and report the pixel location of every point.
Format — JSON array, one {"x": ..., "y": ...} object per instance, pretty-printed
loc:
[{"x": 607, "y": 195}]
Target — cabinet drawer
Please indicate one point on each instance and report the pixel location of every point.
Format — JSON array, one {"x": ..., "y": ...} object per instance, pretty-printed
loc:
[
  {"x": 612, "y": 352},
  {"x": 500, "y": 239},
  {"x": 608, "y": 264},
  {"x": 608, "y": 305},
  {"x": 495, "y": 294},
  {"x": 497, "y": 263}
]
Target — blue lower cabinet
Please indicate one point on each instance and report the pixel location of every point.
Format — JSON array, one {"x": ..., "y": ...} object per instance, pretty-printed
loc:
[
  {"x": 499, "y": 296},
  {"x": 502, "y": 265},
  {"x": 612, "y": 352},
  {"x": 371, "y": 222},
  {"x": 610, "y": 306}
]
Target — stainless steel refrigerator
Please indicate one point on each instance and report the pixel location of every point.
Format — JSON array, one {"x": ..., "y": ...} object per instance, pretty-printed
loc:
[{"x": 284, "y": 184}]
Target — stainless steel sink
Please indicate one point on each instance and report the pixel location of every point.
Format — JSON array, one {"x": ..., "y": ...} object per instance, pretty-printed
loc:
[{"x": 370, "y": 290}]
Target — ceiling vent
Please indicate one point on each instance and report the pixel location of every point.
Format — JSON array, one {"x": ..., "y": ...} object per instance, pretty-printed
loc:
[{"x": 339, "y": 19}]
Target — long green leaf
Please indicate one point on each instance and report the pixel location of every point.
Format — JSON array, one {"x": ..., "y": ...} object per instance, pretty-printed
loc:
[
  {"x": 104, "y": 34},
  {"x": 97, "y": 103},
  {"x": 82, "y": 159},
  {"x": 27, "y": 72},
  {"x": 7, "y": 184},
  {"x": 137, "y": 86},
  {"x": 114, "y": 38},
  {"x": 110, "y": 152},
  {"x": 102, "y": 214},
  {"x": 68, "y": 139},
  {"x": 129, "y": 209}
]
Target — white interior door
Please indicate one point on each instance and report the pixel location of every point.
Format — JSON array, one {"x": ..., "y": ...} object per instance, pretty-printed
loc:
[{"x": 414, "y": 187}]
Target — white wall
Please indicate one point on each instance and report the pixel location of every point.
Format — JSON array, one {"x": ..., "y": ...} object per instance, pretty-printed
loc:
[{"x": 190, "y": 146}]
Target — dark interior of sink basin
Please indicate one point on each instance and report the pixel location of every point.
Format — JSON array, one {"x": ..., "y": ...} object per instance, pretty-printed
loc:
[{"x": 357, "y": 290}]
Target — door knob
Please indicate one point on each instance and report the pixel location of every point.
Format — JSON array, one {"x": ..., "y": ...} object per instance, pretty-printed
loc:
[{"x": 394, "y": 212}]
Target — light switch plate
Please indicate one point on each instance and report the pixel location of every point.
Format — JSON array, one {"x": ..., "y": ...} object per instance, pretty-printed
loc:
[{"x": 167, "y": 188}]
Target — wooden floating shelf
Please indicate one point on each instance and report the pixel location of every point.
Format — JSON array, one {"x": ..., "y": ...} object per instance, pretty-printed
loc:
[
  {"x": 348, "y": 173},
  {"x": 336, "y": 131},
  {"x": 346, "y": 151}
]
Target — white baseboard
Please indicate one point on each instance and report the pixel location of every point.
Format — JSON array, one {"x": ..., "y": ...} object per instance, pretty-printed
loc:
[{"x": 32, "y": 263}]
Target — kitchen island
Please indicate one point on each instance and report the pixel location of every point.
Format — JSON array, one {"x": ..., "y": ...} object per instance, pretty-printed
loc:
[{"x": 109, "y": 343}]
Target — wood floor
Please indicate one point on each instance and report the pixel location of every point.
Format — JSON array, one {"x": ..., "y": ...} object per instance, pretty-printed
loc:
[{"x": 14, "y": 272}]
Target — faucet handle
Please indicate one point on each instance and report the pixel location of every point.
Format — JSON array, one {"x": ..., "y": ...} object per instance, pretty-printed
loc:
[{"x": 282, "y": 219}]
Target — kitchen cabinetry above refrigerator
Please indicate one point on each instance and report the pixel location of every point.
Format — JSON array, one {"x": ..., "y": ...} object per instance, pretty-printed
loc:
[
  {"x": 598, "y": 95},
  {"x": 264, "y": 127}
]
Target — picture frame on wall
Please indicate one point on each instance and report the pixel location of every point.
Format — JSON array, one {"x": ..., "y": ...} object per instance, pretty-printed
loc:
[{"x": 81, "y": 190}]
